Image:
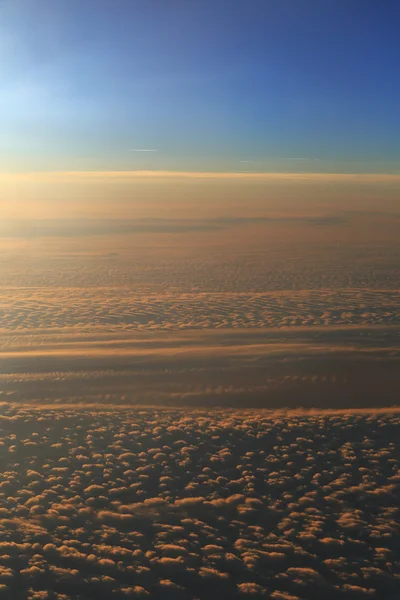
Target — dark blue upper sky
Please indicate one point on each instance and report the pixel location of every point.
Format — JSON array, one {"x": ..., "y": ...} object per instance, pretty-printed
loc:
[{"x": 228, "y": 85}]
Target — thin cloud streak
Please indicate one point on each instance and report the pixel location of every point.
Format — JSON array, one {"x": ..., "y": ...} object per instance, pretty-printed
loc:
[
  {"x": 296, "y": 158},
  {"x": 62, "y": 176}
]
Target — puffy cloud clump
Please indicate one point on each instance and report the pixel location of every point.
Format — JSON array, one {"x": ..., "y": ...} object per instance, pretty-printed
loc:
[{"x": 153, "y": 503}]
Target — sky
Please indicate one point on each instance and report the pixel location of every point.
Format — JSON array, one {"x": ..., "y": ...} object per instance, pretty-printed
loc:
[{"x": 249, "y": 85}]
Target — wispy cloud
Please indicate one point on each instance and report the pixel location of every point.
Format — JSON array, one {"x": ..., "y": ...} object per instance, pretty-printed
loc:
[
  {"x": 296, "y": 158},
  {"x": 143, "y": 150}
]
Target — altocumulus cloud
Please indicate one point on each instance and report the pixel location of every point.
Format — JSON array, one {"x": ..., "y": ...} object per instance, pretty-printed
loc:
[{"x": 187, "y": 504}]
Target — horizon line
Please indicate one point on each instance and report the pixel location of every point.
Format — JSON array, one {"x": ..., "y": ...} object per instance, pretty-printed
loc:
[{"x": 159, "y": 174}]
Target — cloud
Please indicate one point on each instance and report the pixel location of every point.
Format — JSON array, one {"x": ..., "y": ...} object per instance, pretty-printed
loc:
[
  {"x": 100, "y": 176},
  {"x": 143, "y": 150},
  {"x": 295, "y": 159},
  {"x": 331, "y": 367},
  {"x": 298, "y": 311},
  {"x": 86, "y": 228},
  {"x": 37, "y": 228},
  {"x": 258, "y": 508}
]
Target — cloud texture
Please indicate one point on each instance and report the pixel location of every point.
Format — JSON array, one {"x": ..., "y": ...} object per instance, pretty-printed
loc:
[{"x": 179, "y": 504}]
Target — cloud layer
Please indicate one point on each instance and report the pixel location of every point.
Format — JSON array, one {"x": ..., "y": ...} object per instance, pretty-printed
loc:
[
  {"x": 310, "y": 367},
  {"x": 180, "y": 504},
  {"x": 125, "y": 309},
  {"x": 160, "y": 174},
  {"x": 286, "y": 288}
]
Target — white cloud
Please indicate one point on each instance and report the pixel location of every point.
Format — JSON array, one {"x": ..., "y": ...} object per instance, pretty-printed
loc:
[{"x": 143, "y": 150}]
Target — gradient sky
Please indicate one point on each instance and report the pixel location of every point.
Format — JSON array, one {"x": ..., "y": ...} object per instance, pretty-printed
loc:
[{"x": 244, "y": 85}]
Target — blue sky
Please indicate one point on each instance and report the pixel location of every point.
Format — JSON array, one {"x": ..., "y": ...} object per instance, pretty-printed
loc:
[{"x": 258, "y": 85}]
